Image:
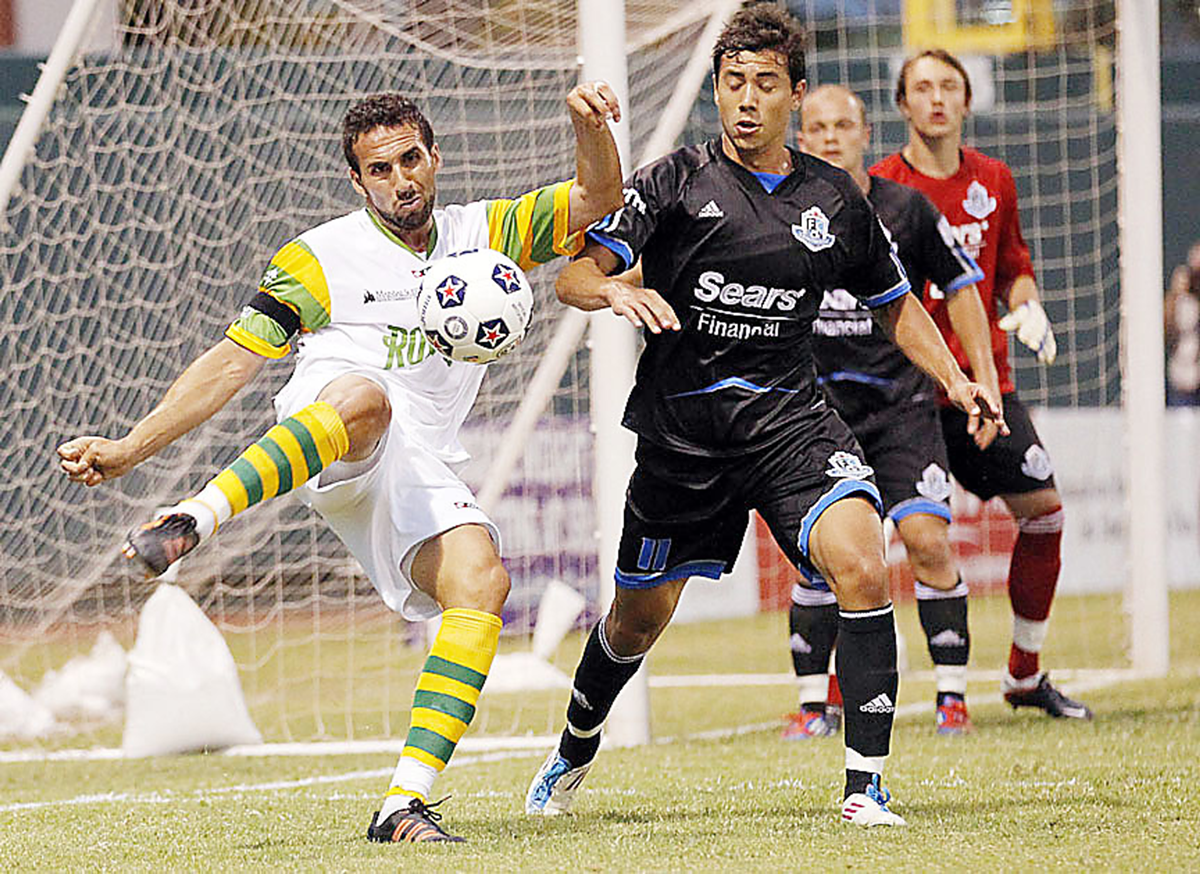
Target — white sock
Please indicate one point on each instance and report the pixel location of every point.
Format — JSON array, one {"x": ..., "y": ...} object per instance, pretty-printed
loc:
[
  {"x": 951, "y": 678},
  {"x": 411, "y": 779},
  {"x": 1030, "y": 634},
  {"x": 870, "y": 764},
  {"x": 813, "y": 688},
  {"x": 209, "y": 508}
]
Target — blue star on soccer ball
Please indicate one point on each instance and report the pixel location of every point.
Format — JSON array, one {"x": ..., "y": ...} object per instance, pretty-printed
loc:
[
  {"x": 505, "y": 277},
  {"x": 491, "y": 333},
  {"x": 451, "y": 291}
]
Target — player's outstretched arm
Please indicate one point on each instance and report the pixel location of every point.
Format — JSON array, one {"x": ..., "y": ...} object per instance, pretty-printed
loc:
[
  {"x": 200, "y": 391},
  {"x": 585, "y": 284},
  {"x": 911, "y": 328},
  {"x": 597, "y": 188},
  {"x": 970, "y": 323}
]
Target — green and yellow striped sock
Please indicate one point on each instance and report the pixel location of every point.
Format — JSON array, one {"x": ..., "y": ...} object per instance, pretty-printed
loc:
[
  {"x": 444, "y": 702},
  {"x": 287, "y": 456}
]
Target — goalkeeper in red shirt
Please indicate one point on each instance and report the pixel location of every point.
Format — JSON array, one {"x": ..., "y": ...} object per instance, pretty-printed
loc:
[{"x": 977, "y": 195}]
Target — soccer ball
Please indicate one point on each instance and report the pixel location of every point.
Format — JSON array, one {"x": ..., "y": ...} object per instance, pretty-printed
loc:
[{"x": 475, "y": 306}]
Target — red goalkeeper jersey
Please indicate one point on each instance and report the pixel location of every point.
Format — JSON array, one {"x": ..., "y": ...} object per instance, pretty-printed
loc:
[{"x": 980, "y": 202}]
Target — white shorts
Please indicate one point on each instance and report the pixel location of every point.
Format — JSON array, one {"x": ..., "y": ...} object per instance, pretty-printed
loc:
[{"x": 385, "y": 507}]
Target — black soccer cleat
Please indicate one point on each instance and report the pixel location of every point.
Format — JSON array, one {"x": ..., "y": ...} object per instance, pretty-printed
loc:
[
  {"x": 157, "y": 545},
  {"x": 414, "y": 824},
  {"x": 1045, "y": 697}
]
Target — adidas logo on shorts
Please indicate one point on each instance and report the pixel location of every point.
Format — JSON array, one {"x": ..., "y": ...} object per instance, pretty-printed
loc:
[
  {"x": 881, "y": 703},
  {"x": 710, "y": 210}
]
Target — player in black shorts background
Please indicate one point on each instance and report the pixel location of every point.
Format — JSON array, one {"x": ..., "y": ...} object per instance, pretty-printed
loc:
[
  {"x": 891, "y": 408},
  {"x": 738, "y": 238}
]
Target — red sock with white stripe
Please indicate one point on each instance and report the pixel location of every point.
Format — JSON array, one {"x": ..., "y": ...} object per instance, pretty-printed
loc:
[{"x": 1032, "y": 579}]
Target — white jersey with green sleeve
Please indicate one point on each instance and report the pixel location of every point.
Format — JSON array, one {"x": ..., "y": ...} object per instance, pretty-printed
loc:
[{"x": 348, "y": 289}]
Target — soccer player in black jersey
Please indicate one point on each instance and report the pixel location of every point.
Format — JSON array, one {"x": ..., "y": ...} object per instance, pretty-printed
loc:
[
  {"x": 738, "y": 237},
  {"x": 891, "y": 407}
]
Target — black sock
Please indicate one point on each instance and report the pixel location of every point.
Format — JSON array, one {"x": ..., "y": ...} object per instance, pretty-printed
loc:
[
  {"x": 601, "y": 675},
  {"x": 944, "y": 621},
  {"x": 866, "y": 669},
  {"x": 813, "y": 632}
]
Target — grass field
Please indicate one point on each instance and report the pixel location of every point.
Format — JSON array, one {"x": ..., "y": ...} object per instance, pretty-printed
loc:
[{"x": 1022, "y": 792}]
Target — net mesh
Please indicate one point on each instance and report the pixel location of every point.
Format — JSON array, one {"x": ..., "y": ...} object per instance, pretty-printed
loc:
[
  {"x": 200, "y": 137},
  {"x": 176, "y": 160}
]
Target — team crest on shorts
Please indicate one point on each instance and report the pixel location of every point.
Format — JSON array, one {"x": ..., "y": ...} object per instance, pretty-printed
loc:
[
  {"x": 847, "y": 465},
  {"x": 1037, "y": 463},
  {"x": 813, "y": 230},
  {"x": 979, "y": 204},
  {"x": 934, "y": 484}
]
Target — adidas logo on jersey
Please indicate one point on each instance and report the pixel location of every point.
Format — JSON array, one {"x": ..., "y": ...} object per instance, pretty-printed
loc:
[
  {"x": 948, "y": 637},
  {"x": 881, "y": 703},
  {"x": 710, "y": 210}
]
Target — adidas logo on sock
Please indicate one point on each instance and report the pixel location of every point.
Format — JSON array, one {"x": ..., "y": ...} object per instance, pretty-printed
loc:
[
  {"x": 948, "y": 637},
  {"x": 881, "y": 703},
  {"x": 710, "y": 210}
]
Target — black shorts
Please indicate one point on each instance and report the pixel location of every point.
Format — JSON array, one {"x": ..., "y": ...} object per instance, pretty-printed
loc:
[
  {"x": 1012, "y": 465},
  {"x": 903, "y": 443},
  {"x": 686, "y": 515}
]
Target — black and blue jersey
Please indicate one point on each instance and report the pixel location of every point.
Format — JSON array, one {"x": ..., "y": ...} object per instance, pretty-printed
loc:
[
  {"x": 744, "y": 261},
  {"x": 852, "y": 353}
]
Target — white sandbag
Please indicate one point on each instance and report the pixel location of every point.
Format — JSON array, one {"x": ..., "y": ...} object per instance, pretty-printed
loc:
[
  {"x": 558, "y": 609},
  {"x": 182, "y": 688},
  {"x": 21, "y": 716},
  {"x": 88, "y": 687},
  {"x": 522, "y": 672}
]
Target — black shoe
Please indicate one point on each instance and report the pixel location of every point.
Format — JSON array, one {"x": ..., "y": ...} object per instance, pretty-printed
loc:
[
  {"x": 415, "y": 824},
  {"x": 1048, "y": 698},
  {"x": 156, "y": 545}
]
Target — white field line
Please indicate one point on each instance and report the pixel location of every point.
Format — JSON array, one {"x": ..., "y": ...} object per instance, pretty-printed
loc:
[
  {"x": 1075, "y": 681},
  {"x": 501, "y": 749}
]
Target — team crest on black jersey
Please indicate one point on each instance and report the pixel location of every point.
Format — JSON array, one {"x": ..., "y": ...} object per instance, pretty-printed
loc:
[
  {"x": 979, "y": 204},
  {"x": 847, "y": 465},
  {"x": 813, "y": 230}
]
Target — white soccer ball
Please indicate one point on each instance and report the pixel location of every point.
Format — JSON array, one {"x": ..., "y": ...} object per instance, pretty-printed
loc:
[{"x": 475, "y": 306}]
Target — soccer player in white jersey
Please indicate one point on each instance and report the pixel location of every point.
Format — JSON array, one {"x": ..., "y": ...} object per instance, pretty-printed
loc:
[{"x": 368, "y": 425}]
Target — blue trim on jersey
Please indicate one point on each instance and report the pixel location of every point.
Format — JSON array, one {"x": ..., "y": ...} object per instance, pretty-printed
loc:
[
  {"x": 896, "y": 292},
  {"x": 618, "y": 247},
  {"x": 854, "y": 376},
  {"x": 769, "y": 181},
  {"x": 920, "y": 505},
  {"x": 966, "y": 279},
  {"x": 703, "y": 568},
  {"x": 844, "y": 489},
  {"x": 734, "y": 382}
]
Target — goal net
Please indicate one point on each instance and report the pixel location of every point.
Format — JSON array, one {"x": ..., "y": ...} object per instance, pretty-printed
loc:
[
  {"x": 186, "y": 146},
  {"x": 191, "y": 141}
]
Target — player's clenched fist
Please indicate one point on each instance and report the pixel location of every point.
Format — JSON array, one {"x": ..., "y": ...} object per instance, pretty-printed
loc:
[
  {"x": 92, "y": 460},
  {"x": 593, "y": 103}
]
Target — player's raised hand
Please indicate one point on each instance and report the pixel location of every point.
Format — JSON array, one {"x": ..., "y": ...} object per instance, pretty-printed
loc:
[
  {"x": 644, "y": 307},
  {"x": 980, "y": 404},
  {"x": 1033, "y": 329},
  {"x": 593, "y": 103},
  {"x": 92, "y": 460}
]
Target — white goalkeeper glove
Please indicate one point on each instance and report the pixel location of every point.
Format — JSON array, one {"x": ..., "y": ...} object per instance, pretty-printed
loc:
[{"x": 1033, "y": 329}]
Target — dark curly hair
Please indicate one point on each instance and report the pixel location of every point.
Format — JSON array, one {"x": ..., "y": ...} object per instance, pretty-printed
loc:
[
  {"x": 763, "y": 27},
  {"x": 939, "y": 54},
  {"x": 381, "y": 110}
]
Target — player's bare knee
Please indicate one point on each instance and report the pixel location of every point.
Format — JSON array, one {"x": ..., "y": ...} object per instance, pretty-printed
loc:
[
  {"x": 931, "y": 561},
  {"x": 861, "y": 581},
  {"x": 481, "y": 585},
  {"x": 633, "y": 632},
  {"x": 364, "y": 409}
]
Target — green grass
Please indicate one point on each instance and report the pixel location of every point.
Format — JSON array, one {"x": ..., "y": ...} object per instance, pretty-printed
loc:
[{"x": 1022, "y": 792}]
